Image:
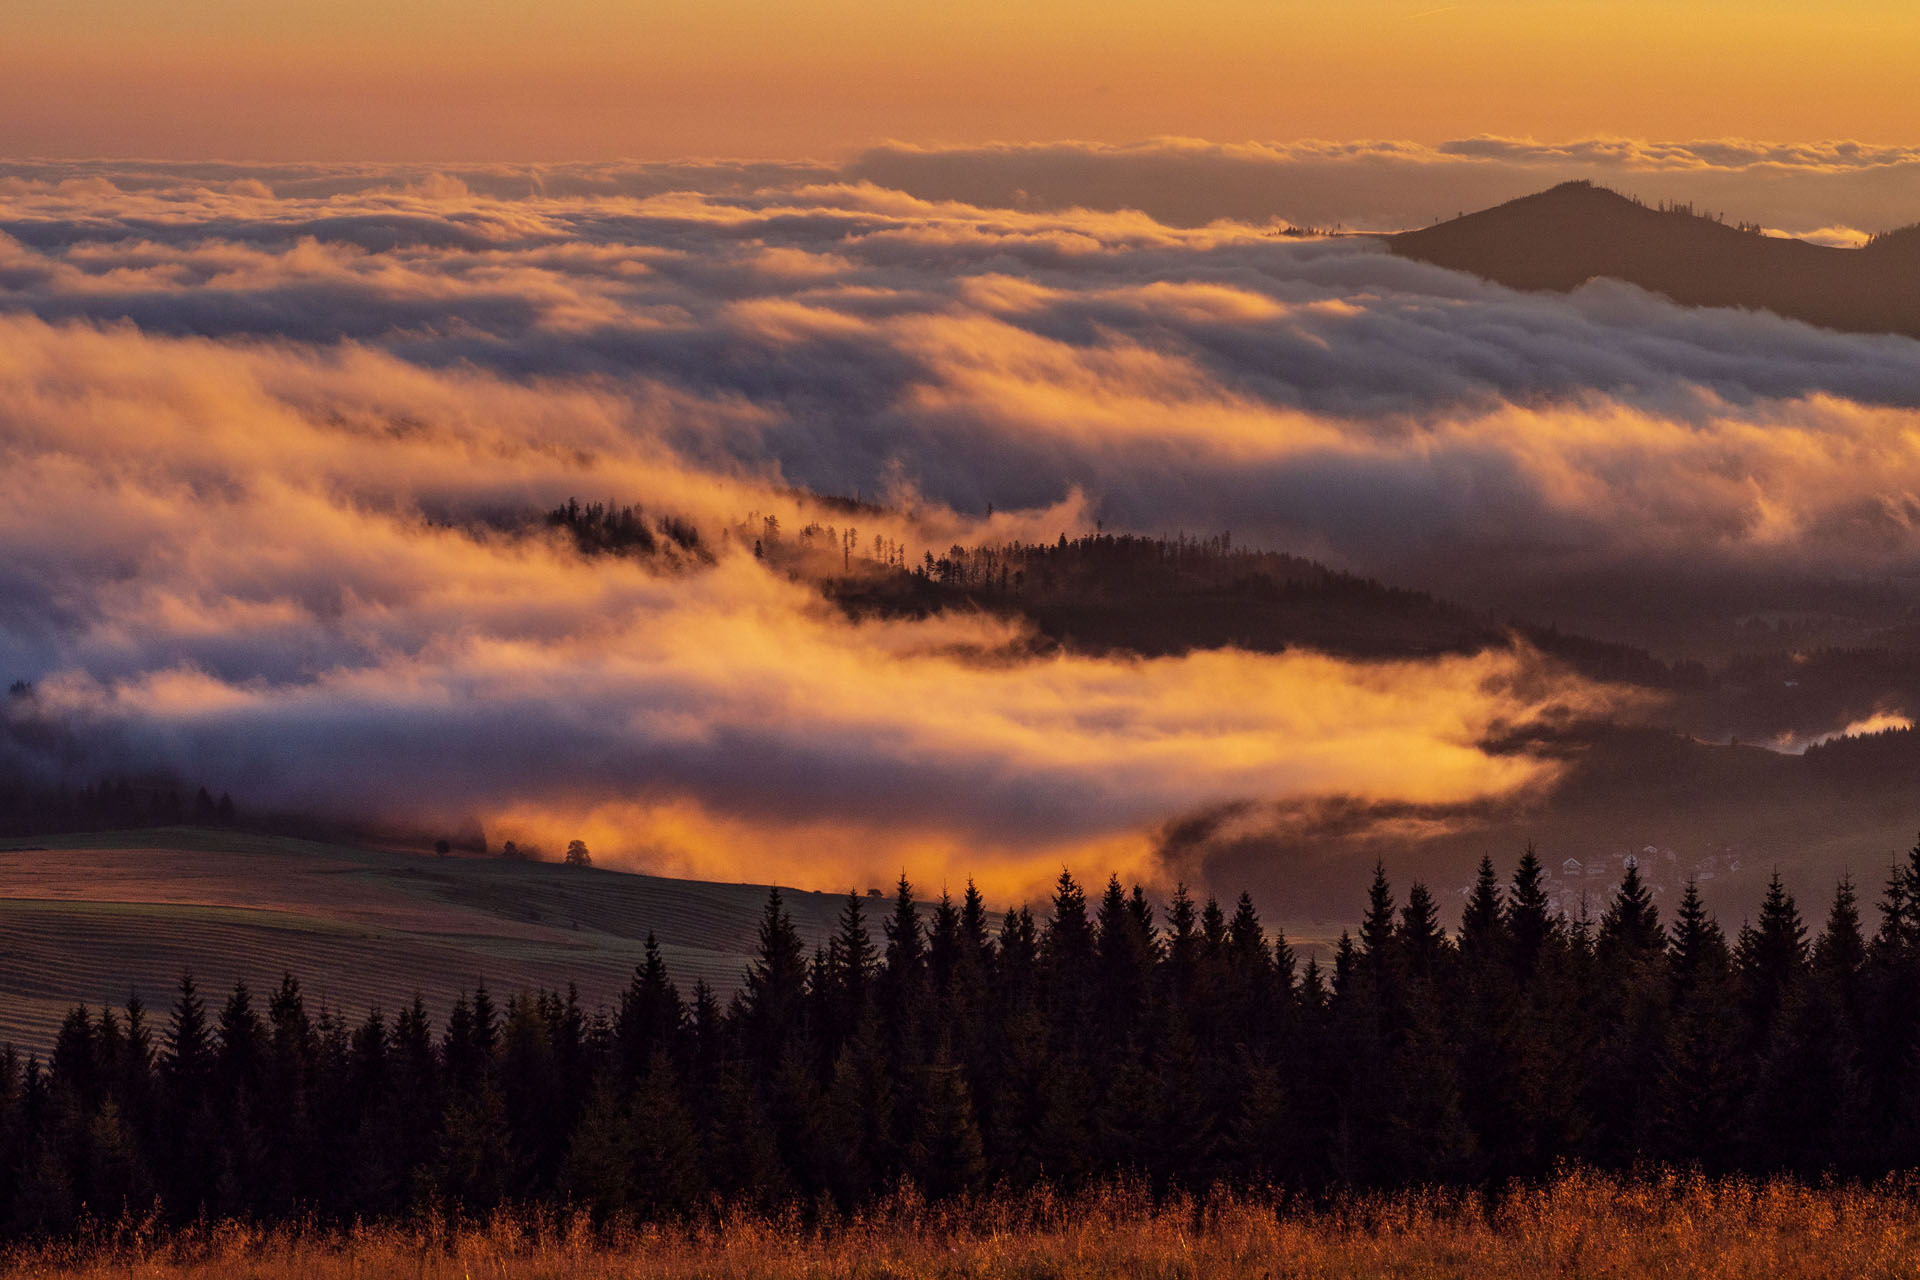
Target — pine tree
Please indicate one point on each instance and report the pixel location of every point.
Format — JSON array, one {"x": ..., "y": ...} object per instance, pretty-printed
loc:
[
  {"x": 1700, "y": 1085},
  {"x": 1630, "y": 928},
  {"x": 1346, "y": 964},
  {"x": 290, "y": 1119},
  {"x": 708, "y": 1029},
  {"x": 906, "y": 941},
  {"x": 1251, "y": 998},
  {"x": 74, "y": 1067},
  {"x": 239, "y": 1066},
  {"x": 1483, "y": 925},
  {"x": 1772, "y": 960},
  {"x": 1897, "y": 911},
  {"x": 1422, "y": 943},
  {"x": 1143, "y": 917},
  {"x": 651, "y": 1013},
  {"x": 775, "y": 991},
  {"x": 191, "y": 1137},
  {"x": 1840, "y": 954},
  {"x": 1810, "y": 1111},
  {"x": 1286, "y": 970},
  {"x": 1018, "y": 959},
  {"x": 943, "y": 955},
  {"x": 1529, "y": 922},
  {"x": 1698, "y": 953},
  {"x": 410, "y": 1114},
  {"x": 903, "y": 974},
  {"x": 242, "y": 1041},
  {"x": 1624, "y": 1093},
  {"x": 1376, "y": 927},
  {"x": 1185, "y": 1140},
  {"x": 365, "y": 1150},
  {"x": 1908, "y": 874},
  {"x": 1067, "y": 960},
  {"x": 1213, "y": 930},
  {"x": 1066, "y": 943},
  {"x": 1314, "y": 994},
  {"x": 852, "y": 958},
  {"x": 973, "y": 928},
  {"x": 1246, "y": 939},
  {"x": 189, "y": 1063},
  {"x": 1890, "y": 1024},
  {"x": 1183, "y": 945},
  {"x": 530, "y": 1089},
  {"x": 1499, "y": 1094},
  {"x": 458, "y": 1048},
  {"x": 1125, "y": 961}
]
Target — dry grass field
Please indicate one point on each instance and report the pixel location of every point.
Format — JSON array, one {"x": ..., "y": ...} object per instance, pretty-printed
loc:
[
  {"x": 94, "y": 918},
  {"x": 1583, "y": 1225}
]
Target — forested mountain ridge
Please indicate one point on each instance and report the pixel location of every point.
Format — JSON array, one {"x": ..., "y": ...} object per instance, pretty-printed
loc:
[{"x": 1101, "y": 592}]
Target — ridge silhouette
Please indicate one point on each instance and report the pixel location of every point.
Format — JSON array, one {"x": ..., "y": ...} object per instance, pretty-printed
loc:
[{"x": 1561, "y": 238}]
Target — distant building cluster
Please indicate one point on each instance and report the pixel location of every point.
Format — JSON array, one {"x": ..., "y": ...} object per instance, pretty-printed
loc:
[{"x": 1573, "y": 883}]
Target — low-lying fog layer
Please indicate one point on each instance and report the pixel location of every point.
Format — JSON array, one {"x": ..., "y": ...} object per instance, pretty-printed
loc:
[{"x": 261, "y": 429}]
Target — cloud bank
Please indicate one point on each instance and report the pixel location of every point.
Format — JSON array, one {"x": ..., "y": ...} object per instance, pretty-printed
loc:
[
  {"x": 1827, "y": 187},
  {"x": 265, "y": 428},
  {"x": 222, "y": 561}
]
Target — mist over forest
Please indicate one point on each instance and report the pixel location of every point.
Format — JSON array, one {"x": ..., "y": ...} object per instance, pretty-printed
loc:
[{"x": 983, "y": 525}]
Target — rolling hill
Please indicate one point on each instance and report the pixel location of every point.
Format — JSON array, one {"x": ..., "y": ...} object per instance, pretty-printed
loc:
[
  {"x": 97, "y": 917},
  {"x": 1563, "y": 237}
]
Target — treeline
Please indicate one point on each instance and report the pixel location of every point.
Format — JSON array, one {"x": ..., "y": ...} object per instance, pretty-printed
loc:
[
  {"x": 1149, "y": 595},
  {"x": 1879, "y": 750},
  {"x": 1134, "y": 575},
  {"x": 1180, "y": 1046},
  {"x": 1128, "y": 563},
  {"x": 1907, "y": 237},
  {"x": 608, "y": 529},
  {"x": 1157, "y": 595},
  {"x": 27, "y": 809}
]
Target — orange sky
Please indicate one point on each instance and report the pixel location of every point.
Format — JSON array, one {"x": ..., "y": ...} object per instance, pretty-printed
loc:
[{"x": 563, "y": 79}]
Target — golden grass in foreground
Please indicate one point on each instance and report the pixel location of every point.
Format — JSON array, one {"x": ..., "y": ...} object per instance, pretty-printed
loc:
[{"x": 1582, "y": 1225}]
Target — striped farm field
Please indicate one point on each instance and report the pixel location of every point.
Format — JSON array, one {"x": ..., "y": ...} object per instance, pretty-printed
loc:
[{"x": 93, "y": 919}]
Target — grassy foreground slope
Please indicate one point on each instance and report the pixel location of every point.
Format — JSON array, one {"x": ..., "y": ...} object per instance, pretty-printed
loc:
[
  {"x": 1581, "y": 1225},
  {"x": 94, "y": 918}
]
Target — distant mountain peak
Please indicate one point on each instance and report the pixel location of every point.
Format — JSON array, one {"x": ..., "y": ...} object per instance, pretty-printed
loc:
[{"x": 1560, "y": 238}]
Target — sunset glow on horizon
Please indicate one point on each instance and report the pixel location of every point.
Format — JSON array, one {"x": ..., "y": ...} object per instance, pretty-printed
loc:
[{"x": 595, "y": 79}]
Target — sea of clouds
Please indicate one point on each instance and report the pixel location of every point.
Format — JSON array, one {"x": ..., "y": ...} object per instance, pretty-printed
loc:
[{"x": 265, "y": 429}]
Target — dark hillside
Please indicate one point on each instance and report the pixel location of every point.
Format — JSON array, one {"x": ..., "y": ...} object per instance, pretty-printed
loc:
[
  {"x": 1561, "y": 238},
  {"x": 1107, "y": 593}
]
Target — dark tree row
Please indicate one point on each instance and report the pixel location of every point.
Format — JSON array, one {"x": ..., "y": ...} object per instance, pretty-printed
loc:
[
  {"x": 27, "y": 809},
  {"x": 1180, "y": 1045},
  {"x": 1127, "y": 591},
  {"x": 607, "y": 529},
  {"x": 1156, "y": 595}
]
